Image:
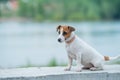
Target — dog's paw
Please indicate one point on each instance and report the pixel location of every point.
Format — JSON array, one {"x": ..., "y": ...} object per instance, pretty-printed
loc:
[
  {"x": 93, "y": 69},
  {"x": 78, "y": 70},
  {"x": 67, "y": 69}
]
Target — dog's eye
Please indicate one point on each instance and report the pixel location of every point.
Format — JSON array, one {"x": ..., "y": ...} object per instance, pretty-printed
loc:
[
  {"x": 64, "y": 33},
  {"x": 58, "y": 32}
]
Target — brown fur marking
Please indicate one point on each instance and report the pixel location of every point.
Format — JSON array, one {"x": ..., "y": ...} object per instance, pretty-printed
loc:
[
  {"x": 106, "y": 58},
  {"x": 67, "y": 29}
]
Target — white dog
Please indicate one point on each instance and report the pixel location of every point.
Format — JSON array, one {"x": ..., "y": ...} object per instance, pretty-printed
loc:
[{"x": 77, "y": 49}]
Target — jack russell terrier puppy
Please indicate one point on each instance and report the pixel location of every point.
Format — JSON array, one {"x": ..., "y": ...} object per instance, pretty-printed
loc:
[{"x": 77, "y": 49}]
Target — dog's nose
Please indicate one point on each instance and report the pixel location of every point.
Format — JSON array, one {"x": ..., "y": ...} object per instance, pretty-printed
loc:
[{"x": 59, "y": 40}]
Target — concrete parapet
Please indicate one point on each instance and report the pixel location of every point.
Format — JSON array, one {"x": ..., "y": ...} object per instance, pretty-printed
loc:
[{"x": 110, "y": 72}]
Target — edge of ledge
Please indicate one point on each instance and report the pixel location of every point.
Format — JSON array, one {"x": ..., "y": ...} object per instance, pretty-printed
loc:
[{"x": 111, "y": 72}]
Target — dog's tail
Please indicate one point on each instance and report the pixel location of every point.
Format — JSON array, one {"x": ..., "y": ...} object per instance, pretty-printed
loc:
[{"x": 107, "y": 58}]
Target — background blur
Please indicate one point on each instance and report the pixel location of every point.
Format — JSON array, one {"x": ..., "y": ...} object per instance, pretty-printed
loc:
[{"x": 28, "y": 29}]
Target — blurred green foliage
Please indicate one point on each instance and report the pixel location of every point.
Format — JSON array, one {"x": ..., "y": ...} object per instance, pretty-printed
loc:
[
  {"x": 53, "y": 62},
  {"x": 113, "y": 62},
  {"x": 28, "y": 64},
  {"x": 70, "y": 10},
  {"x": 3, "y": 0},
  {"x": 64, "y": 10}
]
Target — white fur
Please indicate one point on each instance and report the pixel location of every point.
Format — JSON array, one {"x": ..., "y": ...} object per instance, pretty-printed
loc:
[
  {"x": 61, "y": 36},
  {"x": 84, "y": 54}
]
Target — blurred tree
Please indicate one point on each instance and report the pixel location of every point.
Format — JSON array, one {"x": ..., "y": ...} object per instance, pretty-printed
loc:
[
  {"x": 110, "y": 9},
  {"x": 69, "y": 10},
  {"x": 4, "y": 0}
]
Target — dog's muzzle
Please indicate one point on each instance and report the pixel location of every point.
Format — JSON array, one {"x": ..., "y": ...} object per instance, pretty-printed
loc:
[{"x": 59, "y": 40}]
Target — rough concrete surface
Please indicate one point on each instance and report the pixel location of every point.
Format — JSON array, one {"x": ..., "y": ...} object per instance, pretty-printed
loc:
[{"x": 110, "y": 72}]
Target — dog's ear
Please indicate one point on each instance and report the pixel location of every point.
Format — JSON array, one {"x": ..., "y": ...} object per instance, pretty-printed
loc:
[
  {"x": 58, "y": 27},
  {"x": 71, "y": 28}
]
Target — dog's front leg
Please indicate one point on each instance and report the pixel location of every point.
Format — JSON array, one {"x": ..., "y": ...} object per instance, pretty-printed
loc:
[
  {"x": 69, "y": 64},
  {"x": 79, "y": 65}
]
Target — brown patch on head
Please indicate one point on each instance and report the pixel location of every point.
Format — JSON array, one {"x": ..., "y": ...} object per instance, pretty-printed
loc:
[
  {"x": 58, "y": 27},
  {"x": 71, "y": 28},
  {"x": 106, "y": 58},
  {"x": 66, "y": 30}
]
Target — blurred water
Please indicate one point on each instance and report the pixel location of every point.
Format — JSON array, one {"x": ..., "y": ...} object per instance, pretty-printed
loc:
[{"x": 36, "y": 42}]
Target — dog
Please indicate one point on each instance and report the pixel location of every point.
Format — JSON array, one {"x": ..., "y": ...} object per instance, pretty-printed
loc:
[{"x": 86, "y": 56}]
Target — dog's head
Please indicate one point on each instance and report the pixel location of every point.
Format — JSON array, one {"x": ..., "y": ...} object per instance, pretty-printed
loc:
[{"x": 64, "y": 32}]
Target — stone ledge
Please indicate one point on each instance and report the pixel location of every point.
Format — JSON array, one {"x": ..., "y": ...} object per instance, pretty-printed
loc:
[{"x": 110, "y": 72}]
